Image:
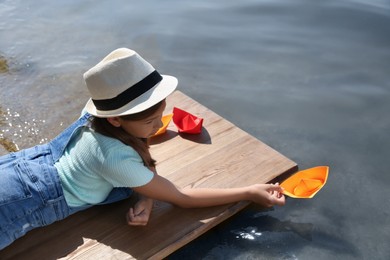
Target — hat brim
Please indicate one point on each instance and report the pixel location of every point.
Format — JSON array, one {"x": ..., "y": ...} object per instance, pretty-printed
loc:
[{"x": 150, "y": 98}]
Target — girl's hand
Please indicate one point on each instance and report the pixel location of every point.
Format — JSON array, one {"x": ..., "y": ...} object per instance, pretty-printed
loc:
[
  {"x": 139, "y": 215},
  {"x": 267, "y": 195}
]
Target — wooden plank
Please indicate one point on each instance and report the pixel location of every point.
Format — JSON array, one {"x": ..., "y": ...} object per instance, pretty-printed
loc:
[{"x": 222, "y": 156}]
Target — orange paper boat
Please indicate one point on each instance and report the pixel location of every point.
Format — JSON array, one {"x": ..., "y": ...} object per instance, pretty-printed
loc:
[
  {"x": 186, "y": 122},
  {"x": 306, "y": 183},
  {"x": 165, "y": 120}
]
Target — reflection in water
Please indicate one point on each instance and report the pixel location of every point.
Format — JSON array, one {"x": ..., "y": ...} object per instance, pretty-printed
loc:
[
  {"x": 270, "y": 224},
  {"x": 258, "y": 233},
  {"x": 14, "y": 130},
  {"x": 249, "y": 233},
  {"x": 255, "y": 234}
]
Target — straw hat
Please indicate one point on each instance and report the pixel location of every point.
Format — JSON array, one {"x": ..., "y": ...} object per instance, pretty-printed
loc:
[{"x": 124, "y": 83}]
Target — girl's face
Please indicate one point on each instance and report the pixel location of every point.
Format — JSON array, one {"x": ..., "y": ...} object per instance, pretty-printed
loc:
[{"x": 143, "y": 128}]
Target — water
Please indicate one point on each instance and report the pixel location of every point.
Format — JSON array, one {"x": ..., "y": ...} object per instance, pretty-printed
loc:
[{"x": 309, "y": 78}]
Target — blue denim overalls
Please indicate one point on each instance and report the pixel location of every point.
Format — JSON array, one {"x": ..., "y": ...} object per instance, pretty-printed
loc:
[{"x": 31, "y": 194}]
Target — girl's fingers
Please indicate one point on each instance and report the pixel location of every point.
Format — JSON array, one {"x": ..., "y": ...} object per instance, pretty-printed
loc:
[
  {"x": 132, "y": 218},
  {"x": 136, "y": 220},
  {"x": 276, "y": 193},
  {"x": 278, "y": 199},
  {"x": 131, "y": 213},
  {"x": 274, "y": 187}
]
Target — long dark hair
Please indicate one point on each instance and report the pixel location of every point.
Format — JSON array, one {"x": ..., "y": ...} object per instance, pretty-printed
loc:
[{"x": 140, "y": 145}]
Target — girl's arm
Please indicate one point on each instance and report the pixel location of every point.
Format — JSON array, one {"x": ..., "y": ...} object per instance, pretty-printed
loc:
[
  {"x": 162, "y": 189},
  {"x": 139, "y": 214}
]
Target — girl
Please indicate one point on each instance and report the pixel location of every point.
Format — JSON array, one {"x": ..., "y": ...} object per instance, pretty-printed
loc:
[{"x": 103, "y": 157}]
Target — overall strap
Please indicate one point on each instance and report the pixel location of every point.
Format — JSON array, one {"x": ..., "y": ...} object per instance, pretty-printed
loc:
[{"x": 59, "y": 143}]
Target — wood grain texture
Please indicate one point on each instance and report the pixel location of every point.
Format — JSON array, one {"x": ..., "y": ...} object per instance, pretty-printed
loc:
[{"x": 222, "y": 156}]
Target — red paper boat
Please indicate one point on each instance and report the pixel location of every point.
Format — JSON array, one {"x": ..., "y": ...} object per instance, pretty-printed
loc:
[{"x": 186, "y": 122}]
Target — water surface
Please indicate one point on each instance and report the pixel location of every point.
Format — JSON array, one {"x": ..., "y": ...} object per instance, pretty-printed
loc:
[{"x": 309, "y": 78}]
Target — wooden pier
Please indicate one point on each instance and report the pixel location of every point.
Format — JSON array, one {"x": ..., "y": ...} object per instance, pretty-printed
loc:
[{"x": 222, "y": 156}]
